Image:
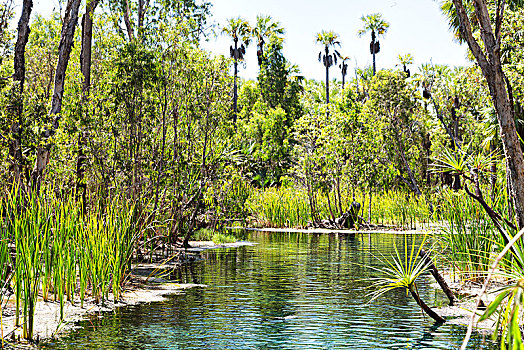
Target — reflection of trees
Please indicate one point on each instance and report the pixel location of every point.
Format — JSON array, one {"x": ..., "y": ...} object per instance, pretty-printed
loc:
[{"x": 319, "y": 280}]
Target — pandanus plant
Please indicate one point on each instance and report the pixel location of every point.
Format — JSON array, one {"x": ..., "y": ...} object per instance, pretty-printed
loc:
[
  {"x": 377, "y": 26},
  {"x": 240, "y": 31},
  {"x": 402, "y": 271},
  {"x": 329, "y": 40}
]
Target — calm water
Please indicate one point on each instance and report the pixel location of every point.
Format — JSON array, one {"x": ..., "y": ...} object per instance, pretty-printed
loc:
[{"x": 291, "y": 291}]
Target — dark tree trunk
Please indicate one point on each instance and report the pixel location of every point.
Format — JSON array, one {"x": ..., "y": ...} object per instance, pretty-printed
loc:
[
  {"x": 438, "y": 277},
  {"x": 64, "y": 52},
  {"x": 235, "y": 95},
  {"x": 326, "y": 63},
  {"x": 373, "y": 38},
  {"x": 424, "y": 307},
  {"x": 85, "y": 65},
  {"x": 454, "y": 117},
  {"x": 15, "y": 146},
  {"x": 127, "y": 21},
  {"x": 493, "y": 175},
  {"x": 490, "y": 64}
]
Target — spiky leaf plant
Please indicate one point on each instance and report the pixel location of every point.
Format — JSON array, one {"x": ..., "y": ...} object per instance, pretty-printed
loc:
[{"x": 402, "y": 271}]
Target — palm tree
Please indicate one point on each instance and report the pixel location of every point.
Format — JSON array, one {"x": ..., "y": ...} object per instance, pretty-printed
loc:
[
  {"x": 328, "y": 40},
  {"x": 377, "y": 26},
  {"x": 240, "y": 31},
  {"x": 404, "y": 62},
  {"x": 344, "y": 69},
  {"x": 264, "y": 29},
  {"x": 450, "y": 12}
]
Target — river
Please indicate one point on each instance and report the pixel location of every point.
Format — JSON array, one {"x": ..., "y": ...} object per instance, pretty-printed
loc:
[{"x": 289, "y": 291}]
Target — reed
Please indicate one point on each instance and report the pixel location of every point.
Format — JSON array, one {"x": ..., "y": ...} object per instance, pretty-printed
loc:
[
  {"x": 281, "y": 207},
  {"x": 61, "y": 252},
  {"x": 469, "y": 238},
  {"x": 289, "y": 207}
]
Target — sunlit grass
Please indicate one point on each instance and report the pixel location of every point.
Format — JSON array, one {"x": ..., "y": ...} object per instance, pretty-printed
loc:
[{"x": 61, "y": 252}]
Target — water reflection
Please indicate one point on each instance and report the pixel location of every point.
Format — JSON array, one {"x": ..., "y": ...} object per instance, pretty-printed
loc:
[{"x": 291, "y": 291}]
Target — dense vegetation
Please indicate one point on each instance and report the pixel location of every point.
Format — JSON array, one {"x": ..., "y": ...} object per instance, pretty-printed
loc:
[{"x": 127, "y": 130}]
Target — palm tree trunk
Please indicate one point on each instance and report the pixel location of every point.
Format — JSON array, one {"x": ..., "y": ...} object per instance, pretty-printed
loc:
[
  {"x": 235, "y": 96},
  {"x": 373, "y": 51},
  {"x": 326, "y": 63}
]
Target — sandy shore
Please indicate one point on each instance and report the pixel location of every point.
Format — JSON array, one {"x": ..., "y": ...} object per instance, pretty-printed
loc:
[
  {"x": 145, "y": 286},
  {"x": 47, "y": 314}
]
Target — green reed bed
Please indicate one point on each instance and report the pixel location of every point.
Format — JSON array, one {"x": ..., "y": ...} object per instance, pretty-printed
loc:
[
  {"x": 289, "y": 207},
  {"x": 281, "y": 207},
  {"x": 398, "y": 209},
  {"x": 469, "y": 236},
  {"x": 50, "y": 249}
]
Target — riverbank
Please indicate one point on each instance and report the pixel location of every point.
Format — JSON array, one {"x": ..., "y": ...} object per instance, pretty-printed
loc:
[
  {"x": 428, "y": 230},
  {"x": 466, "y": 295},
  {"x": 145, "y": 284}
]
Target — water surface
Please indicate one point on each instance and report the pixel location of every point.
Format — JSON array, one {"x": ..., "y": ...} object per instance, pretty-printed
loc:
[{"x": 291, "y": 291}]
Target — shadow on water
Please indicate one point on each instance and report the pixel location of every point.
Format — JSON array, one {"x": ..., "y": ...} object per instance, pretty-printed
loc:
[{"x": 290, "y": 291}]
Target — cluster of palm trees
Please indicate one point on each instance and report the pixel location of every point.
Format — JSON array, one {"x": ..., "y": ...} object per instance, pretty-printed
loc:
[
  {"x": 373, "y": 23},
  {"x": 242, "y": 32}
]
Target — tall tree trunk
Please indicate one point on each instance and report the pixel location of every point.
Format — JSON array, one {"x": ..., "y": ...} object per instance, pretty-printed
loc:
[
  {"x": 235, "y": 95},
  {"x": 15, "y": 146},
  {"x": 64, "y": 52},
  {"x": 490, "y": 64},
  {"x": 127, "y": 21},
  {"x": 493, "y": 175},
  {"x": 373, "y": 37},
  {"x": 339, "y": 197},
  {"x": 85, "y": 65},
  {"x": 454, "y": 117},
  {"x": 413, "y": 181},
  {"x": 369, "y": 209},
  {"x": 326, "y": 63}
]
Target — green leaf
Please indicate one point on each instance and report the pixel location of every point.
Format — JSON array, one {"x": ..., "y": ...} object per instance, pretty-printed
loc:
[{"x": 493, "y": 306}]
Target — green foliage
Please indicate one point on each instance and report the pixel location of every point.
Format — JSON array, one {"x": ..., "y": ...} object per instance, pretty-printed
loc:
[
  {"x": 210, "y": 235},
  {"x": 401, "y": 270},
  {"x": 59, "y": 249}
]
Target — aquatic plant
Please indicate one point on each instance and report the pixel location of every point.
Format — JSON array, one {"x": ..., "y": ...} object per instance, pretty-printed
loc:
[
  {"x": 61, "y": 251},
  {"x": 402, "y": 271}
]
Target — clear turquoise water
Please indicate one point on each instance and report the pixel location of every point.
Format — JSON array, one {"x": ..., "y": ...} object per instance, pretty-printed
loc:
[{"x": 291, "y": 291}]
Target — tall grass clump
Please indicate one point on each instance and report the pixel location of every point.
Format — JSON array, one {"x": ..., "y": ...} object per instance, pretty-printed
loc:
[
  {"x": 289, "y": 207},
  {"x": 281, "y": 207},
  {"x": 397, "y": 208},
  {"x": 49, "y": 246},
  {"x": 469, "y": 236}
]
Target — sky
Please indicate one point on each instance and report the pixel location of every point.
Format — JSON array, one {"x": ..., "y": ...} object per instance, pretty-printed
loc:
[{"x": 416, "y": 27}]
